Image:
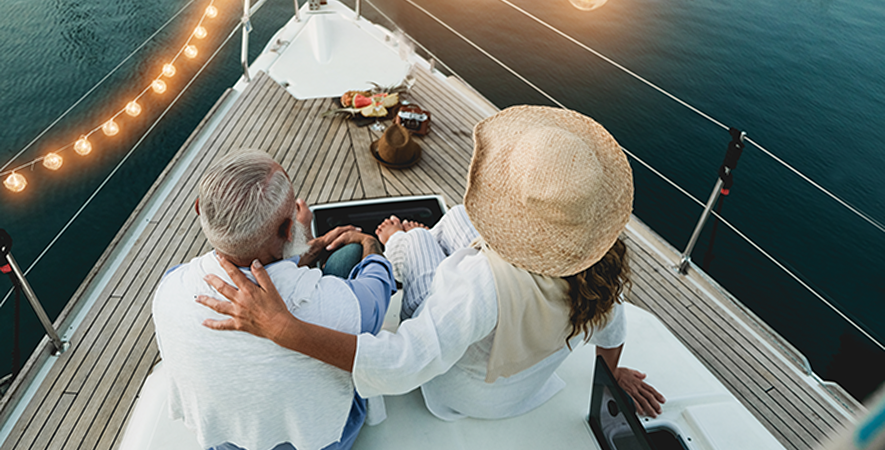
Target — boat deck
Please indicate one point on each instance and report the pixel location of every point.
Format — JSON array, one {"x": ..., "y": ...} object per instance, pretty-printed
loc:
[{"x": 87, "y": 395}]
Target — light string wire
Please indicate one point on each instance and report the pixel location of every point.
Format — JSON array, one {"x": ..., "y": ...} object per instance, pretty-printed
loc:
[
  {"x": 866, "y": 217},
  {"x": 680, "y": 189},
  {"x": 144, "y": 92},
  {"x": 93, "y": 88},
  {"x": 126, "y": 157}
]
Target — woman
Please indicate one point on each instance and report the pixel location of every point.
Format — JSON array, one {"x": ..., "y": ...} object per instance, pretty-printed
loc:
[{"x": 549, "y": 191}]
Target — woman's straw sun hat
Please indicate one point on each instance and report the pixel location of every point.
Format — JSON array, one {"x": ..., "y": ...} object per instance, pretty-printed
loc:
[{"x": 549, "y": 189}]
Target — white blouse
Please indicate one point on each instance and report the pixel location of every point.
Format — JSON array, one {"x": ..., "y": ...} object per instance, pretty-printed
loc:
[{"x": 445, "y": 350}]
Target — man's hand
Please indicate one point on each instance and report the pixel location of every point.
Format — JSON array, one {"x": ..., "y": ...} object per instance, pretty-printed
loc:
[
  {"x": 255, "y": 309},
  {"x": 337, "y": 238},
  {"x": 369, "y": 243},
  {"x": 646, "y": 398},
  {"x": 320, "y": 245}
]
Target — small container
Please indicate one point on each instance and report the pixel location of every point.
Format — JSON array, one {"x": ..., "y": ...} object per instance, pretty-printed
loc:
[{"x": 414, "y": 119}]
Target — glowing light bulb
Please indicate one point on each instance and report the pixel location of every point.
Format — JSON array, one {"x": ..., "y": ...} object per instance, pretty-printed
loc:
[
  {"x": 15, "y": 182},
  {"x": 133, "y": 108},
  {"x": 110, "y": 128},
  {"x": 52, "y": 161},
  {"x": 587, "y": 5},
  {"x": 82, "y": 146},
  {"x": 159, "y": 86},
  {"x": 190, "y": 51},
  {"x": 211, "y": 11},
  {"x": 168, "y": 70},
  {"x": 200, "y": 32}
]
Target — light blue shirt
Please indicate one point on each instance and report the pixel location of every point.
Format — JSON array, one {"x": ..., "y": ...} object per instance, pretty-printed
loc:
[{"x": 372, "y": 282}]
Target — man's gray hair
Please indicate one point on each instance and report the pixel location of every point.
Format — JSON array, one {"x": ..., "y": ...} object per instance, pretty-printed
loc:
[{"x": 244, "y": 198}]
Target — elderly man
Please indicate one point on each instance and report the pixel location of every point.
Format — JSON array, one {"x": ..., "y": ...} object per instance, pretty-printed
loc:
[
  {"x": 548, "y": 193},
  {"x": 233, "y": 389}
]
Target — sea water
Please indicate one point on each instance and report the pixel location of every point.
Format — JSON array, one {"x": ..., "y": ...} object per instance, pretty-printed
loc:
[
  {"x": 53, "y": 52},
  {"x": 803, "y": 78}
]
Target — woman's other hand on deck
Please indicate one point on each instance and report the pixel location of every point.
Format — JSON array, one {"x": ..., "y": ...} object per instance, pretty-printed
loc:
[{"x": 646, "y": 398}]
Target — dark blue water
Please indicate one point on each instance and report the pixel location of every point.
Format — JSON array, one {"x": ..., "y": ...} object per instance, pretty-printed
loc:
[
  {"x": 801, "y": 77},
  {"x": 53, "y": 51}
]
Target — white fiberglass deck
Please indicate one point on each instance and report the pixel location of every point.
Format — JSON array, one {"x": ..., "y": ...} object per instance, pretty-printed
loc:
[
  {"x": 699, "y": 406},
  {"x": 331, "y": 54}
]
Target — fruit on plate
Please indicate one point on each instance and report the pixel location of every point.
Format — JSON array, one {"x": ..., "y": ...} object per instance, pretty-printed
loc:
[
  {"x": 379, "y": 104},
  {"x": 361, "y": 101},
  {"x": 366, "y": 103},
  {"x": 347, "y": 98},
  {"x": 388, "y": 100}
]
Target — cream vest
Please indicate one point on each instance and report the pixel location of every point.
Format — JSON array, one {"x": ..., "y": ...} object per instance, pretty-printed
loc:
[{"x": 533, "y": 317}]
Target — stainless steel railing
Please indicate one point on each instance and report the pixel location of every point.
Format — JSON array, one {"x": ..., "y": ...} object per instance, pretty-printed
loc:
[
  {"x": 723, "y": 184},
  {"x": 246, "y": 23},
  {"x": 244, "y": 49},
  {"x": 10, "y": 267}
]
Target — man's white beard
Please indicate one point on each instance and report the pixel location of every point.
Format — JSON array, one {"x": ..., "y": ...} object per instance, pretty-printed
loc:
[{"x": 298, "y": 245}]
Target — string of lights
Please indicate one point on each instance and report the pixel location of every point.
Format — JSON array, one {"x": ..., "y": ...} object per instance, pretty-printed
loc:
[{"x": 16, "y": 182}]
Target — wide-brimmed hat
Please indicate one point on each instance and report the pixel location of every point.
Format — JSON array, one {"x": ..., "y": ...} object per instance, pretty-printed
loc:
[
  {"x": 549, "y": 189},
  {"x": 396, "y": 148}
]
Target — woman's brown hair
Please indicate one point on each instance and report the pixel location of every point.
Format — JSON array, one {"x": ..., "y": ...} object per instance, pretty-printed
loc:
[{"x": 593, "y": 292}]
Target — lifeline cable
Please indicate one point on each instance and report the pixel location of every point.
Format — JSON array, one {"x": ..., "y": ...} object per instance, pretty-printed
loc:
[
  {"x": 856, "y": 211},
  {"x": 414, "y": 41},
  {"x": 489, "y": 55},
  {"x": 760, "y": 250},
  {"x": 860, "y": 213},
  {"x": 851, "y": 208},
  {"x": 659, "y": 174}
]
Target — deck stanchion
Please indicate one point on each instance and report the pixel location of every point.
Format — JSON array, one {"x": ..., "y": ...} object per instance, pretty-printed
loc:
[
  {"x": 247, "y": 27},
  {"x": 16, "y": 333},
  {"x": 723, "y": 184},
  {"x": 10, "y": 267},
  {"x": 358, "y": 8}
]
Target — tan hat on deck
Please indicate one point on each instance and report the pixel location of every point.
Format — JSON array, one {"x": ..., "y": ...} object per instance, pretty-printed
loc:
[
  {"x": 549, "y": 189},
  {"x": 396, "y": 148}
]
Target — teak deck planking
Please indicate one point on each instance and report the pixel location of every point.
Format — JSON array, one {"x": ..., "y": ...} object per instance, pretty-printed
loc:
[{"x": 86, "y": 399}]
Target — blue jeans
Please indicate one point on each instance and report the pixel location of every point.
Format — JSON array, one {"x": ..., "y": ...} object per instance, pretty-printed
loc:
[
  {"x": 342, "y": 262},
  {"x": 348, "y": 436}
]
